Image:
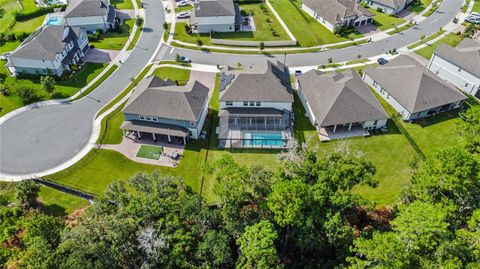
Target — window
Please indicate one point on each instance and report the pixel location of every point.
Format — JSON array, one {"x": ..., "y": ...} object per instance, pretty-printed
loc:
[
  {"x": 149, "y": 118},
  {"x": 155, "y": 119},
  {"x": 141, "y": 117},
  {"x": 192, "y": 123},
  {"x": 258, "y": 103},
  {"x": 229, "y": 103},
  {"x": 245, "y": 103},
  {"x": 252, "y": 103}
]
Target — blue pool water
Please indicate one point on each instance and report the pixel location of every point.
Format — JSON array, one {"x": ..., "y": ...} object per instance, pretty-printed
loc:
[
  {"x": 54, "y": 21},
  {"x": 266, "y": 139}
]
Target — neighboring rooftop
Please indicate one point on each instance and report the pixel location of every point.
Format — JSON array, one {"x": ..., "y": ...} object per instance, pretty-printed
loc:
[
  {"x": 46, "y": 42},
  {"x": 392, "y": 3},
  {"x": 414, "y": 86},
  {"x": 162, "y": 98},
  {"x": 214, "y": 8},
  {"x": 466, "y": 55},
  {"x": 86, "y": 8},
  {"x": 271, "y": 86},
  {"x": 334, "y": 11},
  {"x": 340, "y": 98}
]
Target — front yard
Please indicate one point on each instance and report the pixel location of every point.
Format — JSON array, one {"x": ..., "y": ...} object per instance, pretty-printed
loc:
[
  {"x": 114, "y": 40},
  {"x": 451, "y": 39},
  {"x": 385, "y": 21},
  {"x": 422, "y": 5}
]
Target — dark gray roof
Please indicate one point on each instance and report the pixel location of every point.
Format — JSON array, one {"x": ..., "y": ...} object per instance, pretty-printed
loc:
[
  {"x": 46, "y": 42},
  {"x": 335, "y": 10},
  {"x": 271, "y": 86},
  {"x": 414, "y": 86},
  {"x": 154, "y": 127},
  {"x": 112, "y": 14},
  {"x": 393, "y": 3},
  {"x": 86, "y": 8},
  {"x": 157, "y": 98},
  {"x": 250, "y": 111},
  {"x": 214, "y": 8},
  {"x": 340, "y": 98},
  {"x": 466, "y": 55}
]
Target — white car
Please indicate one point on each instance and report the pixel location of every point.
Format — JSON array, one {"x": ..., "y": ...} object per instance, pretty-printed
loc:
[
  {"x": 183, "y": 15},
  {"x": 182, "y": 4},
  {"x": 473, "y": 19}
]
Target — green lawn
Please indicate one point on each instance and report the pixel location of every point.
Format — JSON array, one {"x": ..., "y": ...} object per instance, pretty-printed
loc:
[
  {"x": 427, "y": 39},
  {"x": 97, "y": 82},
  {"x": 114, "y": 40},
  {"x": 135, "y": 38},
  {"x": 358, "y": 61},
  {"x": 476, "y": 6},
  {"x": 28, "y": 26},
  {"x": 110, "y": 132},
  {"x": 267, "y": 26},
  {"x": 175, "y": 74},
  {"x": 451, "y": 39},
  {"x": 7, "y": 20},
  {"x": 185, "y": 8},
  {"x": 181, "y": 35},
  {"x": 149, "y": 152},
  {"x": 423, "y": 4},
  {"x": 122, "y": 4},
  {"x": 307, "y": 30},
  {"x": 384, "y": 21},
  {"x": 433, "y": 9},
  {"x": 28, "y": 6}
]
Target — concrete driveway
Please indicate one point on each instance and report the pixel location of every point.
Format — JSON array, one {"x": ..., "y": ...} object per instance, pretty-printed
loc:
[{"x": 95, "y": 55}]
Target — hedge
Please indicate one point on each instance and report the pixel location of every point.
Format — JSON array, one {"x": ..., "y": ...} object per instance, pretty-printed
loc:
[{"x": 20, "y": 16}]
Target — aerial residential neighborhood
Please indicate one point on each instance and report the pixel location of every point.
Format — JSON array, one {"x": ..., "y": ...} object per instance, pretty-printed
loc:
[{"x": 239, "y": 134}]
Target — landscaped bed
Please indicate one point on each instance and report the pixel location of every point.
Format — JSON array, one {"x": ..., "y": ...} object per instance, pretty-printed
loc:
[{"x": 149, "y": 152}]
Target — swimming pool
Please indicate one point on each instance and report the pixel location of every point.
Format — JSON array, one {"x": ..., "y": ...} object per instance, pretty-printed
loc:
[
  {"x": 261, "y": 138},
  {"x": 54, "y": 21}
]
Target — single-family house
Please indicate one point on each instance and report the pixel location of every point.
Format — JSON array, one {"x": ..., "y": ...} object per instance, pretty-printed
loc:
[
  {"x": 49, "y": 50},
  {"x": 91, "y": 14},
  {"x": 411, "y": 89},
  {"x": 214, "y": 16},
  {"x": 388, "y": 6},
  {"x": 459, "y": 66},
  {"x": 164, "y": 110},
  {"x": 334, "y": 14},
  {"x": 256, "y": 108},
  {"x": 339, "y": 104}
]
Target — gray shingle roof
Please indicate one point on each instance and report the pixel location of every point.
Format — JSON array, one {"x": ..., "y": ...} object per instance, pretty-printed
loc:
[
  {"x": 271, "y": 86},
  {"x": 414, "y": 86},
  {"x": 466, "y": 55},
  {"x": 46, "y": 42},
  {"x": 86, "y": 8},
  {"x": 392, "y": 3},
  {"x": 158, "y": 98},
  {"x": 214, "y": 8},
  {"x": 335, "y": 10},
  {"x": 340, "y": 98},
  {"x": 154, "y": 127}
]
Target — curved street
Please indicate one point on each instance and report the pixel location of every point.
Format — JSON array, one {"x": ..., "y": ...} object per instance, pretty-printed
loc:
[{"x": 44, "y": 138}]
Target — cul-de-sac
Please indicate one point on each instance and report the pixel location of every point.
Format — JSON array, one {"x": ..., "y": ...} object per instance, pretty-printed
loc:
[{"x": 239, "y": 134}]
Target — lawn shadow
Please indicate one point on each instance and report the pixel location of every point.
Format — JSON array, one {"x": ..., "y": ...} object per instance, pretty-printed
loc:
[
  {"x": 55, "y": 210},
  {"x": 429, "y": 121}
]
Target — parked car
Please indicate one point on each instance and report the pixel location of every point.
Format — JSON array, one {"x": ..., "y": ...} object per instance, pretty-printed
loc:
[
  {"x": 184, "y": 59},
  {"x": 182, "y": 4},
  {"x": 4, "y": 56},
  {"x": 473, "y": 19},
  {"x": 183, "y": 15},
  {"x": 474, "y": 14},
  {"x": 382, "y": 61}
]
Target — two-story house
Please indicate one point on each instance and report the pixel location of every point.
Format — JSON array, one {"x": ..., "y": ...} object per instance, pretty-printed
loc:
[
  {"x": 334, "y": 14},
  {"x": 256, "y": 108},
  {"x": 388, "y": 6},
  {"x": 214, "y": 16},
  {"x": 49, "y": 50},
  {"x": 459, "y": 66},
  {"x": 91, "y": 14},
  {"x": 411, "y": 89},
  {"x": 162, "y": 109},
  {"x": 339, "y": 104}
]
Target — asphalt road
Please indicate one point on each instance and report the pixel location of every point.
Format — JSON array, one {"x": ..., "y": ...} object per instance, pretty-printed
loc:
[
  {"x": 41, "y": 139},
  {"x": 44, "y": 138}
]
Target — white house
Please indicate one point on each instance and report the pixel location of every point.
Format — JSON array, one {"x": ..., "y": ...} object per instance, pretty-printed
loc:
[
  {"x": 459, "y": 66},
  {"x": 214, "y": 16},
  {"x": 160, "y": 108},
  {"x": 334, "y": 14},
  {"x": 49, "y": 50},
  {"x": 339, "y": 102},
  {"x": 411, "y": 89},
  {"x": 388, "y": 6},
  {"x": 91, "y": 14},
  {"x": 256, "y": 108}
]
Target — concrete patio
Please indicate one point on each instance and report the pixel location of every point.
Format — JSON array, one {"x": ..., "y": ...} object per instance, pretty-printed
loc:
[
  {"x": 131, "y": 145},
  {"x": 328, "y": 133}
]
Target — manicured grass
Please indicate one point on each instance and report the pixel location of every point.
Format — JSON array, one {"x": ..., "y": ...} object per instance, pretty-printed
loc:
[
  {"x": 181, "y": 35},
  {"x": 175, "y": 74},
  {"x": 135, "y": 38},
  {"x": 427, "y": 39},
  {"x": 166, "y": 33},
  {"x": 423, "y": 4},
  {"x": 307, "y": 30},
  {"x": 122, "y": 4},
  {"x": 476, "y": 6},
  {"x": 400, "y": 29},
  {"x": 115, "y": 40},
  {"x": 28, "y": 26},
  {"x": 175, "y": 63},
  {"x": 7, "y": 20},
  {"x": 433, "y": 9},
  {"x": 110, "y": 132},
  {"x": 149, "y": 152},
  {"x": 385, "y": 21},
  {"x": 451, "y": 39},
  {"x": 28, "y": 6},
  {"x": 265, "y": 23},
  {"x": 358, "y": 61},
  {"x": 436, "y": 133},
  {"x": 98, "y": 82},
  {"x": 185, "y": 8},
  {"x": 465, "y": 6},
  {"x": 350, "y": 44}
]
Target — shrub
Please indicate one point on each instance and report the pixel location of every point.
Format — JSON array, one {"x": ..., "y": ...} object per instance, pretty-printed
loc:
[
  {"x": 139, "y": 21},
  {"x": 47, "y": 84},
  {"x": 379, "y": 9},
  {"x": 330, "y": 60},
  {"x": 4, "y": 90},
  {"x": 26, "y": 94},
  {"x": 21, "y": 36},
  {"x": 9, "y": 37},
  {"x": 199, "y": 42}
]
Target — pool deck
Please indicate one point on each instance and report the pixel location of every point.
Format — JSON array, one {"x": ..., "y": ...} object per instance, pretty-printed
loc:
[{"x": 53, "y": 15}]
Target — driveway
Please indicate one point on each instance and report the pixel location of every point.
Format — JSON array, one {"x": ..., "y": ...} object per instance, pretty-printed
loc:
[{"x": 95, "y": 55}]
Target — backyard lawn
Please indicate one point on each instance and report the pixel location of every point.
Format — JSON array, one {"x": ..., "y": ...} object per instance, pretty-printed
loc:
[
  {"x": 7, "y": 20},
  {"x": 423, "y": 4},
  {"x": 451, "y": 39},
  {"x": 384, "y": 21},
  {"x": 267, "y": 26},
  {"x": 28, "y": 26},
  {"x": 307, "y": 30},
  {"x": 476, "y": 6},
  {"x": 114, "y": 40},
  {"x": 122, "y": 4},
  {"x": 175, "y": 74},
  {"x": 149, "y": 152}
]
